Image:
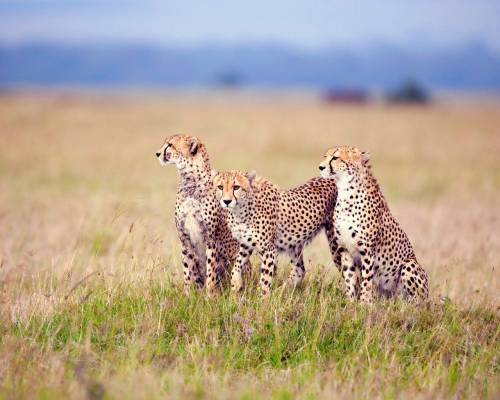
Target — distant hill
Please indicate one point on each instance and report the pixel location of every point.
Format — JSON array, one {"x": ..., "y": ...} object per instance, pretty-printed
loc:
[{"x": 471, "y": 67}]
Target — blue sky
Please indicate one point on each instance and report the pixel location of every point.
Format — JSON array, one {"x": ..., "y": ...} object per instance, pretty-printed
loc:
[{"x": 300, "y": 23}]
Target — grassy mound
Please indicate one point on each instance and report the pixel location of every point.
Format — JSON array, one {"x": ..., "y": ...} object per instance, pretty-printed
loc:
[{"x": 154, "y": 341}]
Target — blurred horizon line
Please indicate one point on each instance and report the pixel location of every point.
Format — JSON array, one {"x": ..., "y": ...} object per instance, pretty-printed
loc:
[
  {"x": 249, "y": 64},
  {"x": 472, "y": 42}
]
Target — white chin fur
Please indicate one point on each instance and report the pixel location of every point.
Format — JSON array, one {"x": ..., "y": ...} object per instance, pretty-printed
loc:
[{"x": 163, "y": 162}]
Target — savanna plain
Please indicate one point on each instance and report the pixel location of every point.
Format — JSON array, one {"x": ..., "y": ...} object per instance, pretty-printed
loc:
[{"x": 91, "y": 297}]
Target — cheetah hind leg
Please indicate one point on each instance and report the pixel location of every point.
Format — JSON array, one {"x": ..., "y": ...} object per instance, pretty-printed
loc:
[
  {"x": 298, "y": 271},
  {"x": 333, "y": 244},
  {"x": 413, "y": 283}
]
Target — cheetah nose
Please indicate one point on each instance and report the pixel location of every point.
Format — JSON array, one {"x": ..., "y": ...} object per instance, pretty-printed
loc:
[
  {"x": 321, "y": 167},
  {"x": 158, "y": 154},
  {"x": 226, "y": 202}
]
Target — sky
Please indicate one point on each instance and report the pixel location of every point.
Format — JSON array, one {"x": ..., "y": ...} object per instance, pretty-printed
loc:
[{"x": 300, "y": 23}]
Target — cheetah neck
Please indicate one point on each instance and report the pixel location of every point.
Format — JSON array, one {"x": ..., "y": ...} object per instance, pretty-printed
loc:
[
  {"x": 358, "y": 184},
  {"x": 366, "y": 180},
  {"x": 195, "y": 180}
]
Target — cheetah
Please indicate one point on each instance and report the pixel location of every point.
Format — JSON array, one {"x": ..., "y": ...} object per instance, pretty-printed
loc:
[
  {"x": 375, "y": 254},
  {"x": 208, "y": 248},
  {"x": 269, "y": 220}
]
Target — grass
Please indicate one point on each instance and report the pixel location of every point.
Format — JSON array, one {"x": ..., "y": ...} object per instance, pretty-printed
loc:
[
  {"x": 396, "y": 348},
  {"x": 91, "y": 301}
]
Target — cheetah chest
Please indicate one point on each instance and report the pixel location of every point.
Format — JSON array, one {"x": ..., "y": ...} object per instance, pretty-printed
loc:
[
  {"x": 347, "y": 227},
  {"x": 242, "y": 232}
]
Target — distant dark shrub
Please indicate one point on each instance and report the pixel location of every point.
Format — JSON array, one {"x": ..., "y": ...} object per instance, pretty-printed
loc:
[{"x": 409, "y": 92}]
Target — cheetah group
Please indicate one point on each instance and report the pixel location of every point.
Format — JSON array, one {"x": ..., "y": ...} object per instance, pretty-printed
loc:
[{"x": 224, "y": 217}]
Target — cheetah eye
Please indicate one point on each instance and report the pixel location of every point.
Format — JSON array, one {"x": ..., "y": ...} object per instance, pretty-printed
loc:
[
  {"x": 220, "y": 187},
  {"x": 335, "y": 158},
  {"x": 236, "y": 187}
]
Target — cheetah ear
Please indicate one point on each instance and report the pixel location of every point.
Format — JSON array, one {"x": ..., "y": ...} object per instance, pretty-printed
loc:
[
  {"x": 251, "y": 176},
  {"x": 365, "y": 157},
  {"x": 193, "y": 148}
]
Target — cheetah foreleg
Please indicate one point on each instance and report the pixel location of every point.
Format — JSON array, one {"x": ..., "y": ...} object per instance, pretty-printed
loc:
[
  {"x": 267, "y": 270},
  {"x": 212, "y": 271},
  {"x": 192, "y": 274},
  {"x": 367, "y": 273},
  {"x": 349, "y": 272},
  {"x": 241, "y": 265}
]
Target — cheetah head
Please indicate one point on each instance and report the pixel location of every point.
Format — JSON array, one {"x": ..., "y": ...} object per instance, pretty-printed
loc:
[
  {"x": 343, "y": 161},
  {"x": 182, "y": 150},
  {"x": 233, "y": 188}
]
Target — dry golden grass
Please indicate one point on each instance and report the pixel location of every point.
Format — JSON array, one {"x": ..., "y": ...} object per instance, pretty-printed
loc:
[{"x": 86, "y": 209}]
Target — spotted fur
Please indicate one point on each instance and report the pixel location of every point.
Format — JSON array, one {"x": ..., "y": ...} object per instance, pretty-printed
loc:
[
  {"x": 208, "y": 249},
  {"x": 375, "y": 254},
  {"x": 270, "y": 220}
]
